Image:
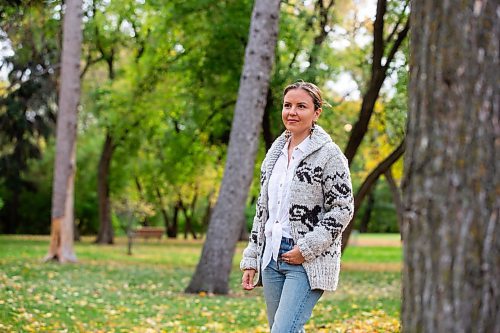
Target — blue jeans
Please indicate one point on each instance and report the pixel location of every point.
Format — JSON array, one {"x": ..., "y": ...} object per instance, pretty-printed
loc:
[{"x": 288, "y": 295}]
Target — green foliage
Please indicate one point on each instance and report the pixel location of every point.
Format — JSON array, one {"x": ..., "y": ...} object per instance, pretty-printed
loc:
[
  {"x": 27, "y": 106},
  {"x": 110, "y": 291},
  {"x": 383, "y": 216},
  {"x": 161, "y": 79},
  {"x": 35, "y": 201}
]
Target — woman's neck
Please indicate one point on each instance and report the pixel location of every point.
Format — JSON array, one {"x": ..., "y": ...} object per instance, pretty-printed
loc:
[{"x": 297, "y": 138}]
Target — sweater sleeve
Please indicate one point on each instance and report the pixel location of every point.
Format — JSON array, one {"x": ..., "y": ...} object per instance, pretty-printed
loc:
[
  {"x": 338, "y": 205},
  {"x": 250, "y": 254}
]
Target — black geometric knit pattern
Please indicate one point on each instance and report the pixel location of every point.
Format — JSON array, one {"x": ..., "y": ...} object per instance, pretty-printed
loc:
[
  {"x": 305, "y": 173},
  {"x": 330, "y": 253},
  {"x": 308, "y": 217},
  {"x": 253, "y": 236},
  {"x": 336, "y": 187},
  {"x": 332, "y": 226}
]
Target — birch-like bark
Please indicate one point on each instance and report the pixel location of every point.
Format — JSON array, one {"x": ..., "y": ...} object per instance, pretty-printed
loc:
[
  {"x": 451, "y": 195},
  {"x": 214, "y": 267},
  {"x": 61, "y": 240}
]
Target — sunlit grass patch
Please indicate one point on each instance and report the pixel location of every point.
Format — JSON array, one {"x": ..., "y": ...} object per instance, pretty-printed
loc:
[{"x": 109, "y": 291}]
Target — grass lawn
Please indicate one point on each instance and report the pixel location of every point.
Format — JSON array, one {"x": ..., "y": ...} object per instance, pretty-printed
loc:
[{"x": 108, "y": 291}]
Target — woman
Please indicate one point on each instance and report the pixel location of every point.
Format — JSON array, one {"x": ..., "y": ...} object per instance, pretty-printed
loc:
[{"x": 304, "y": 204}]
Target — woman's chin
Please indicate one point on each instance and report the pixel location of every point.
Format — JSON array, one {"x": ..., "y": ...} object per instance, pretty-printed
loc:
[{"x": 292, "y": 127}]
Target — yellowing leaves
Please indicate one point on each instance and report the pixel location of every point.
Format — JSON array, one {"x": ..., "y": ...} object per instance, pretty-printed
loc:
[{"x": 111, "y": 292}]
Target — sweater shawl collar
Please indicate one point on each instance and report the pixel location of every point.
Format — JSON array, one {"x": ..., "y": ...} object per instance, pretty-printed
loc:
[{"x": 318, "y": 139}]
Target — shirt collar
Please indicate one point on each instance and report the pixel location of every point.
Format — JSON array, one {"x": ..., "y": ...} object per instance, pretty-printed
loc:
[{"x": 302, "y": 146}]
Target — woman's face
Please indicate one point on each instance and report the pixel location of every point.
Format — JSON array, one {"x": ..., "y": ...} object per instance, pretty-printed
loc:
[{"x": 298, "y": 111}]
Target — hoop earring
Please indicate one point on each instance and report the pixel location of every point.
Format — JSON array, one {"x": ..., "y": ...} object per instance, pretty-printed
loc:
[
  {"x": 288, "y": 134},
  {"x": 312, "y": 129}
]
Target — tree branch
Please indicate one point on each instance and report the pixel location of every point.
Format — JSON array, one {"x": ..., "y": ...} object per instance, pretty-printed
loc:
[
  {"x": 401, "y": 36},
  {"x": 396, "y": 27},
  {"x": 367, "y": 185},
  {"x": 378, "y": 36}
]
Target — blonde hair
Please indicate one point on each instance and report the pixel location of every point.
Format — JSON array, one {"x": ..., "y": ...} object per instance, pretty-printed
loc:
[{"x": 311, "y": 89}]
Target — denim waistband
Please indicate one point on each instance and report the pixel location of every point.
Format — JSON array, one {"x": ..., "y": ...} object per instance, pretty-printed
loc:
[{"x": 288, "y": 241}]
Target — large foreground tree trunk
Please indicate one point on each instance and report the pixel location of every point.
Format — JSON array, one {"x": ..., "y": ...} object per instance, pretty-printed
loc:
[
  {"x": 61, "y": 238},
  {"x": 451, "y": 227},
  {"x": 214, "y": 267}
]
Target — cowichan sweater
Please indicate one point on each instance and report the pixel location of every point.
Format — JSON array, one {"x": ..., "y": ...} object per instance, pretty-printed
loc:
[{"x": 320, "y": 207}]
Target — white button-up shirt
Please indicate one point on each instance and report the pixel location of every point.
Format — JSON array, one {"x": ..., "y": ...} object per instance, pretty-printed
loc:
[{"x": 278, "y": 223}]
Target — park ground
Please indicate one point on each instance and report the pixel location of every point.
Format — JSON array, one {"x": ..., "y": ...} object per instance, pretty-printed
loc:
[{"x": 109, "y": 291}]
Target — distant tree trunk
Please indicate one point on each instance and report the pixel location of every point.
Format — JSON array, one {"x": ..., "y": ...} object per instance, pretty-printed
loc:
[
  {"x": 214, "y": 267},
  {"x": 367, "y": 185},
  {"x": 170, "y": 225},
  {"x": 145, "y": 220},
  {"x": 363, "y": 225},
  {"x": 451, "y": 226},
  {"x": 172, "y": 229},
  {"x": 105, "y": 235},
  {"x": 396, "y": 196},
  {"x": 76, "y": 232},
  {"x": 61, "y": 237},
  {"x": 208, "y": 212},
  {"x": 188, "y": 216}
]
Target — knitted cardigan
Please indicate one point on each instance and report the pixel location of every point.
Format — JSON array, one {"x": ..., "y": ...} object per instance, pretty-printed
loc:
[{"x": 320, "y": 207}]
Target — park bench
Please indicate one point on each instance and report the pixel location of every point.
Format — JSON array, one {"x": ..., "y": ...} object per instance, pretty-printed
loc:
[{"x": 148, "y": 232}]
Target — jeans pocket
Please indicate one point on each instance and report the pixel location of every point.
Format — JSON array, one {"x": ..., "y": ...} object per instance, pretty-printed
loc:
[{"x": 284, "y": 247}]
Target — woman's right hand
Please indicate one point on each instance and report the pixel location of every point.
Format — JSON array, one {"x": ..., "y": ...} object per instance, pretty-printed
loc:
[{"x": 247, "y": 279}]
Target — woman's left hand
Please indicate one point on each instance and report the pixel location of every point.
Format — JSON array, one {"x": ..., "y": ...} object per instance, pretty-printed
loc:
[{"x": 293, "y": 256}]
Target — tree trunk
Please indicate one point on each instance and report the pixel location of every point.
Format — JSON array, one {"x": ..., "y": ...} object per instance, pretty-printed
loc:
[
  {"x": 61, "y": 237},
  {"x": 324, "y": 13},
  {"x": 367, "y": 185},
  {"x": 188, "y": 217},
  {"x": 363, "y": 225},
  {"x": 145, "y": 220},
  {"x": 396, "y": 197},
  {"x": 208, "y": 212},
  {"x": 214, "y": 267},
  {"x": 105, "y": 235},
  {"x": 170, "y": 226},
  {"x": 76, "y": 233},
  {"x": 12, "y": 207},
  {"x": 451, "y": 189},
  {"x": 173, "y": 228},
  {"x": 379, "y": 73}
]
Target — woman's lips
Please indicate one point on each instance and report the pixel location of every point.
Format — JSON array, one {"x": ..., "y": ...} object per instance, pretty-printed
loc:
[{"x": 292, "y": 121}]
